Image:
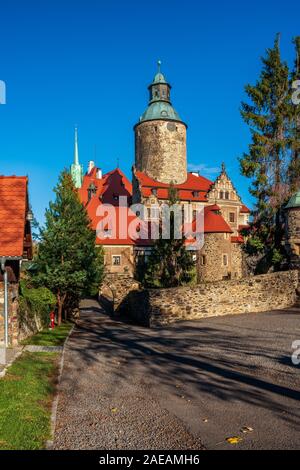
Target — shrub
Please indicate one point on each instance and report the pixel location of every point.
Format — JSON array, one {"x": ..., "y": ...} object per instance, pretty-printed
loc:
[{"x": 35, "y": 304}]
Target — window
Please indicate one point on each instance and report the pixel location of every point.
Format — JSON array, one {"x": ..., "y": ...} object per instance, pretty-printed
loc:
[
  {"x": 154, "y": 191},
  {"x": 231, "y": 217},
  {"x": 221, "y": 195},
  {"x": 226, "y": 195},
  {"x": 195, "y": 193},
  {"x": 203, "y": 260},
  {"x": 225, "y": 260},
  {"x": 116, "y": 260}
]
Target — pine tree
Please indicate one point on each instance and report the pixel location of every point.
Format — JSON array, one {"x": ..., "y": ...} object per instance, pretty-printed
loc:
[
  {"x": 68, "y": 262},
  {"x": 294, "y": 167},
  {"x": 268, "y": 155},
  {"x": 170, "y": 264}
]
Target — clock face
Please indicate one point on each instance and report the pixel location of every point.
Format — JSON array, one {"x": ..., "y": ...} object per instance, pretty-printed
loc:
[{"x": 171, "y": 126}]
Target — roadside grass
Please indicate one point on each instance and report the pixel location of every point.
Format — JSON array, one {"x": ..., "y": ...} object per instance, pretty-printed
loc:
[
  {"x": 26, "y": 394},
  {"x": 48, "y": 337}
]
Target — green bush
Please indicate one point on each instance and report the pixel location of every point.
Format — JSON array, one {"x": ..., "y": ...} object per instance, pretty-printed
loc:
[{"x": 36, "y": 302}]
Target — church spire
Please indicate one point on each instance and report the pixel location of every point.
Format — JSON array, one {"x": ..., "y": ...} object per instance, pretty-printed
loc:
[
  {"x": 76, "y": 168},
  {"x": 76, "y": 156}
]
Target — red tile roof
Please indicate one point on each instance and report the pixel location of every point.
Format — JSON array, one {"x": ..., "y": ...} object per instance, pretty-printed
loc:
[
  {"x": 13, "y": 207},
  {"x": 112, "y": 223},
  {"x": 111, "y": 184},
  {"x": 245, "y": 210},
  {"x": 187, "y": 191},
  {"x": 214, "y": 222},
  {"x": 239, "y": 239}
]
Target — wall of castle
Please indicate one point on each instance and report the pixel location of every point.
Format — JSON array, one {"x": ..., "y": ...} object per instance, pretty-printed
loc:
[
  {"x": 160, "y": 150},
  {"x": 114, "y": 290},
  {"x": 254, "y": 294},
  {"x": 119, "y": 259},
  {"x": 293, "y": 236},
  {"x": 214, "y": 261}
]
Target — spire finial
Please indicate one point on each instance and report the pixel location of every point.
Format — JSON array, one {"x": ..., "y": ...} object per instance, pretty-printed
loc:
[
  {"x": 76, "y": 157},
  {"x": 223, "y": 167},
  {"x": 158, "y": 65}
]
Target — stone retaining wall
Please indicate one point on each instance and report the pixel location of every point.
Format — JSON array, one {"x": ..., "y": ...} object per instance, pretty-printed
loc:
[
  {"x": 13, "y": 312},
  {"x": 115, "y": 289},
  {"x": 254, "y": 294}
]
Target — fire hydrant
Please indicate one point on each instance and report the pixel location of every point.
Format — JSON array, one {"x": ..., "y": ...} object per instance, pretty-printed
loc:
[{"x": 52, "y": 318}]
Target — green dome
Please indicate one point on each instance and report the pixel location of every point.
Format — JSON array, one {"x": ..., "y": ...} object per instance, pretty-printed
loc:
[
  {"x": 160, "y": 110},
  {"x": 159, "y": 78},
  {"x": 294, "y": 201}
]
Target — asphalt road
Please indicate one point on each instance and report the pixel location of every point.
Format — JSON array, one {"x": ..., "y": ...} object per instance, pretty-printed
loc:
[{"x": 189, "y": 385}]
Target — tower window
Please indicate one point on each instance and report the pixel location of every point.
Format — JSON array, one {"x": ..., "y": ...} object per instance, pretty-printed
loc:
[
  {"x": 226, "y": 195},
  {"x": 231, "y": 217},
  {"x": 225, "y": 260},
  {"x": 221, "y": 195},
  {"x": 203, "y": 260}
]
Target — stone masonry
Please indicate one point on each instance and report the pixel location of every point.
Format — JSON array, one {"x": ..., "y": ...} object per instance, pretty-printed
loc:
[
  {"x": 254, "y": 294},
  {"x": 115, "y": 289},
  {"x": 13, "y": 313},
  {"x": 160, "y": 150}
]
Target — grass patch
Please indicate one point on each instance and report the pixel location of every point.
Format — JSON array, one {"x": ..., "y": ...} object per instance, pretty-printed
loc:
[
  {"x": 48, "y": 337},
  {"x": 26, "y": 394}
]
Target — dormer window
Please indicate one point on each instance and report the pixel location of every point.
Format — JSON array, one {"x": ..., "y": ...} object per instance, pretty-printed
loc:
[
  {"x": 154, "y": 191},
  {"x": 195, "y": 193},
  {"x": 92, "y": 190}
]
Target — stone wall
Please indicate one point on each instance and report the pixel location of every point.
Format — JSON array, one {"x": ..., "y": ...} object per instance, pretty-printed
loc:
[
  {"x": 13, "y": 313},
  {"x": 210, "y": 260},
  {"x": 114, "y": 291},
  {"x": 160, "y": 150},
  {"x": 255, "y": 294},
  {"x": 293, "y": 236}
]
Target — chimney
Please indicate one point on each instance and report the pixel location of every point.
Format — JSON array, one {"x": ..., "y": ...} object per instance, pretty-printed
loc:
[
  {"x": 90, "y": 166},
  {"x": 99, "y": 174}
]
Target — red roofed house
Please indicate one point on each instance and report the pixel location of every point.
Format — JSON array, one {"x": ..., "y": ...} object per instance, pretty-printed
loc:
[
  {"x": 15, "y": 244},
  {"x": 160, "y": 160}
]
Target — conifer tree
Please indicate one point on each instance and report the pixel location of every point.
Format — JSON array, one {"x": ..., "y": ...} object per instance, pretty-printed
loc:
[
  {"x": 294, "y": 166},
  {"x": 169, "y": 264},
  {"x": 68, "y": 262},
  {"x": 268, "y": 155}
]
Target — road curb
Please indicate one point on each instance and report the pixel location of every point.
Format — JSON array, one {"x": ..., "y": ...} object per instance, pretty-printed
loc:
[{"x": 49, "y": 443}]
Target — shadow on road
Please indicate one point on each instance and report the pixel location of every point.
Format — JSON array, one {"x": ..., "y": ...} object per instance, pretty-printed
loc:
[{"x": 229, "y": 358}]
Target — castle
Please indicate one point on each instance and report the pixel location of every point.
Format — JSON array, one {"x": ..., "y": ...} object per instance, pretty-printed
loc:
[{"x": 161, "y": 161}]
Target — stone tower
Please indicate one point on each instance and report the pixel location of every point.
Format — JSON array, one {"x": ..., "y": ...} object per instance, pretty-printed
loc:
[
  {"x": 160, "y": 137},
  {"x": 292, "y": 239},
  {"x": 76, "y": 168}
]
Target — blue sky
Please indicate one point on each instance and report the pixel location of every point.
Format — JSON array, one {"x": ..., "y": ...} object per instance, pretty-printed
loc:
[{"x": 90, "y": 62}]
